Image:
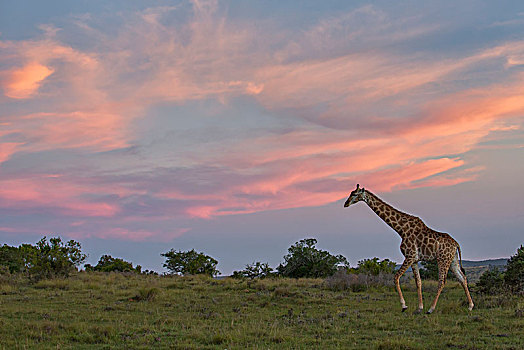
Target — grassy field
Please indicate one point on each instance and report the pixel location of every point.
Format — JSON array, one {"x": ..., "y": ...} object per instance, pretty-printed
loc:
[{"x": 97, "y": 311}]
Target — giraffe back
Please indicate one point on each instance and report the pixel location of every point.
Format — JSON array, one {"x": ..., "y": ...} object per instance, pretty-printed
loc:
[{"x": 424, "y": 243}]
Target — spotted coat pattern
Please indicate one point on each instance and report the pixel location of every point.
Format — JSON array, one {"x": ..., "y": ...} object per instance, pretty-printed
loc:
[{"x": 419, "y": 243}]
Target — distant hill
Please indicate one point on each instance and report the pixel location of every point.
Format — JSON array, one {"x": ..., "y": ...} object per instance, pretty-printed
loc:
[
  {"x": 492, "y": 262},
  {"x": 474, "y": 269},
  {"x": 474, "y": 263}
]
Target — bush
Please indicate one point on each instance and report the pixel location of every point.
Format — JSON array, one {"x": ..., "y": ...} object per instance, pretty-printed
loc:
[
  {"x": 304, "y": 260},
  {"x": 514, "y": 276},
  {"x": 429, "y": 271},
  {"x": 358, "y": 282},
  {"x": 51, "y": 259},
  {"x": 494, "y": 281},
  {"x": 108, "y": 264},
  {"x": 254, "y": 270},
  {"x": 190, "y": 263},
  {"x": 375, "y": 267},
  {"x": 491, "y": 282},
  {"x": 12, "y": 259},
  {"x": 5, "y": 275}
]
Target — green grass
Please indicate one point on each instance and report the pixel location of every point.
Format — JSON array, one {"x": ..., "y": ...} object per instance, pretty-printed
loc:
[{"x": 97, "y": 311}]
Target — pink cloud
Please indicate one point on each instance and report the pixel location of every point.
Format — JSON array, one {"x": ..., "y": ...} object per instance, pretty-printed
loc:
[
  {"x": 97, "y": 129},
  {"x": 126, "y": 234},
  {"x": 13, "y": 229},
  {"x": 95, "y": 97},
  {"x": 7, "y": 149},
  {"x": 375, "y": 116},
  {"x": 476, "y": 110},
  {"x": 350, "y": 86},
  {"x": 22, "y": 83},
  {"x": 52, "y": 192},
  {"x": 302, "y": 191},
  {"x": 202, "y": 211},
  {"x": 77, "y": 111},
  {"x": 285, "y": 164},
  {"x": 413, "y": 175}
]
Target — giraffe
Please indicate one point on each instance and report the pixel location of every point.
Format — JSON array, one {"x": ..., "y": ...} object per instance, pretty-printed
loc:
[{"x": 419, "y": 243}]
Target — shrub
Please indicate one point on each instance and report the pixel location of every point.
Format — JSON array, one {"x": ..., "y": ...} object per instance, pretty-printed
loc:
[
  {"x": 514, "y": 276},
  {"x": 491, "y": 282},
  {"x": 254, "y": 270},
  {"x": 51, "y": 259},
  {"x": 358, "y": 282},
  {"x": 304, "y": 260},
  {"x": 375, "y": 267},
  {"x": 11, "y": 258},
  {"x": 5, "y": 275},
  {"x": 190, "y": 263},
  {"x": 494, "y": 281},
  {"x": 108, "y": 264},
  {"x": 6, "y": 289}
]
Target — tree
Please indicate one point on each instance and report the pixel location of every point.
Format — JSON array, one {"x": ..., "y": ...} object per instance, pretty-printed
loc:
[
  {"x": 254, "y": 270},
  {"x": 107, "y": 264},
  {"x": 190, "y": 263},
  {"x": 52, "y": 259},
  {"x": 429, "y": 270},
  {"x": 491, "y": 281},
  {"x": 375, "y": 267},
  {"x": 304, "y": 260},
  {"x": 12, "y": 259},
  {"x": 514, "y": 276}
]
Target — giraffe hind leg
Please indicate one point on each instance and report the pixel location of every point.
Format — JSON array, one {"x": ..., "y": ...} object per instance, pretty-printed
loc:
[{"x": 462, "y": 279}]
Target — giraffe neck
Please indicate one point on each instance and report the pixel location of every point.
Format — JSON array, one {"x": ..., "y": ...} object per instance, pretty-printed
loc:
[{"x": 391, "y": 216}]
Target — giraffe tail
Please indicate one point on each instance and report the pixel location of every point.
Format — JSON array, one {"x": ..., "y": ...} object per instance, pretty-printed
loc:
[{"x": 460, "y": 259}]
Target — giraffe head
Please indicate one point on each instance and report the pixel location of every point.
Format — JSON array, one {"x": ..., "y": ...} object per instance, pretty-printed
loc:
[{"x": 359, "y": 194}]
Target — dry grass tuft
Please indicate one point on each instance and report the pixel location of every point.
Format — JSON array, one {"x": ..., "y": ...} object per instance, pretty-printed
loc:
[
  {"x": 146, "y": 294},
  {"x": 342, "y": 280},
  {"x": 62, "y": 284}
]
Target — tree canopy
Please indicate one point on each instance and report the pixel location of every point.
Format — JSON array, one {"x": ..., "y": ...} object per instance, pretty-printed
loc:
[
  {"x": 108, "y": 264},
  {"x": 514, "y": 276},
  {"x": 190, "y": 263},
  {"x": 305, "y": 260},
  {"x": 375, "y": 266}
]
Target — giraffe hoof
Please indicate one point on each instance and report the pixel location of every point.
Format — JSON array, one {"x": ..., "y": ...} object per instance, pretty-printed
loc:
[
  {"x": 417, "y": 311},
  {"x": 404, "y": 308}
]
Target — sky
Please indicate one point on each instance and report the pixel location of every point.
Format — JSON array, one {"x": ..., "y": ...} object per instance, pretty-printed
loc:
[{"x": 237, "y": 128}]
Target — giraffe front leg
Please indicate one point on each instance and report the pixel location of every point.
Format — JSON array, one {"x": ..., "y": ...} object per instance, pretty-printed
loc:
[
  {"x": 443, "y": 267},
  {"x": 399, "y": 274},
  {"x": 418, "y": 282}
]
